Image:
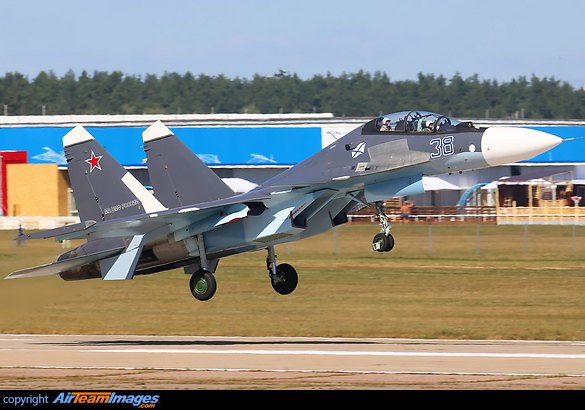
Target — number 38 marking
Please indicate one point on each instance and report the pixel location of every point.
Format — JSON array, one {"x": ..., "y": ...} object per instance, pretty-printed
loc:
[{"x": 443, "y": 146}]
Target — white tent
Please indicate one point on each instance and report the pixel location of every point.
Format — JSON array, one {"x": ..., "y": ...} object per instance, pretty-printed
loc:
[{"x": 239, "y": 185}]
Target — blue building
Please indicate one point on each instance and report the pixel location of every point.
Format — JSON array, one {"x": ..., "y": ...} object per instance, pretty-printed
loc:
[{"x": 257, "y": 147}]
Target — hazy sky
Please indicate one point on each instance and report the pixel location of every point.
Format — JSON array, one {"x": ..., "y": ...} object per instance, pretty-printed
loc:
[{"x": 496, "y": 39}]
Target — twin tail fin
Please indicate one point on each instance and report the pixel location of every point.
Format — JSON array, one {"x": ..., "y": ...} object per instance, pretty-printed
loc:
[
  {"x": 102, "y": 188},
  {"x": 178, "y": 176}
]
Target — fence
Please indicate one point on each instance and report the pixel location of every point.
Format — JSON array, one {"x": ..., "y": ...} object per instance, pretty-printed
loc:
[
  {"x": 543, "y": 215},
  {"x": 35, "y": 222},
  {"x": 431, "y": 214},
  {"x": 465, "y": 215}
]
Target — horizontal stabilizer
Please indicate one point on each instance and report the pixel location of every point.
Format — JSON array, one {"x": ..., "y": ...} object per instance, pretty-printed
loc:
[
  {"x": 62, "y": 266},
  {"x": 60, "y": 233},
  {"x": 173, "y": 220}
]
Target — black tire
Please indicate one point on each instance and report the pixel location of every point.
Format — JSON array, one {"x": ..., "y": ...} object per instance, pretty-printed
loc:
[
  {"x": 291, "y": 279},
  {"x": 386, "y": 242},
  {"x": 203, "y": 285}
]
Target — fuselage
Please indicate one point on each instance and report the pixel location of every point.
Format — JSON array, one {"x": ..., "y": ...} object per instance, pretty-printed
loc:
[{"x": 382, "y": 159}]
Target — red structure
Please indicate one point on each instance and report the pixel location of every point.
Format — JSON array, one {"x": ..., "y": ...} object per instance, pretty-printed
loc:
[{"x": 9, "y": 157}]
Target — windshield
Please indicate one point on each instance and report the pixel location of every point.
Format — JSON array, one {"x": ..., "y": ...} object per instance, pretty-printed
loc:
[{"x": 415, "y": 121}]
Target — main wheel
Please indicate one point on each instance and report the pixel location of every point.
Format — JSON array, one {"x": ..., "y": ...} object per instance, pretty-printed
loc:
[
  {"x": 203, "y": 285},
  {"x": 287, "y": 279},
  {"x": 383, "y": 242}
]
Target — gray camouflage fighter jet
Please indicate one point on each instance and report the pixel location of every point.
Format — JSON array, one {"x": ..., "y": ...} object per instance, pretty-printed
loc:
[{"x": 194, "y": 219}]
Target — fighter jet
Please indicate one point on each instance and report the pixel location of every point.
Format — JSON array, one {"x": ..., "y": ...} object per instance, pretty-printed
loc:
[{"x": 194, "y": 219}]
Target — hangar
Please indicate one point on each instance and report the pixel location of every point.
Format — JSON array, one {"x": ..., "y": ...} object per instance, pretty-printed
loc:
[{"x": 251, "y": 148}]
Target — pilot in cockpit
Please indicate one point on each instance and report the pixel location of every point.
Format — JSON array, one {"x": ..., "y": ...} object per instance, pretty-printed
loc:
[
  {"x": 386, "y": 125},
  {"x": 425, "y": 125},
  {"x": 429, "y": 126}
]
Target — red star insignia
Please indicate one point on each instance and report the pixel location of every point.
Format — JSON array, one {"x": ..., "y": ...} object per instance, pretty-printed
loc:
[{"x": 94, "y": 162}]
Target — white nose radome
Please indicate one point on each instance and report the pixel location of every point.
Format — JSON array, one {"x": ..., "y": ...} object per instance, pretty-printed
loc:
[{"x": 503, "y": 145}]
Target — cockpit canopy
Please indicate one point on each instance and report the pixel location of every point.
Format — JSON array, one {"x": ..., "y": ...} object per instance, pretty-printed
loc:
[{"x": 415, "y": 121}]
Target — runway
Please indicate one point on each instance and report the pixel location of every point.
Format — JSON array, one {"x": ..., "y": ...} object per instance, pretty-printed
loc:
[{"x": 294, "y": 354}]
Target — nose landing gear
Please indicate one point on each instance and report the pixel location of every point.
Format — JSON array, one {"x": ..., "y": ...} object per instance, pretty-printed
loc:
[{"x": 384, "y": 241}]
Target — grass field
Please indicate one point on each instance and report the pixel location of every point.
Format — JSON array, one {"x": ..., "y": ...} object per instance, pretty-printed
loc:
[{"x": 516, "y": 284}]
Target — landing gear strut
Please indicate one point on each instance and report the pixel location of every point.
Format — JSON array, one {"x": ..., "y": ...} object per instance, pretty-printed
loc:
[
  {"x": 283, "y": 277},
  {"x": 202, "y": 283},
  {"x": 384, "y": 241}
]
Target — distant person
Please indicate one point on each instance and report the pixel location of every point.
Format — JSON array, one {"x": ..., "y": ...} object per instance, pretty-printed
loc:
[
  {"x": 20, "y": 233},
  {"x": 405, "y": 212}
]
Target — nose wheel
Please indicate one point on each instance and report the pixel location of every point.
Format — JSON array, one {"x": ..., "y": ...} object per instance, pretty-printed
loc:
[{"x": 384, "y": 241}]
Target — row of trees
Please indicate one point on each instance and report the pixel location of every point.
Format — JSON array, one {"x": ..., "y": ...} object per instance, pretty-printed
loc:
[{"x": 354, "y": 95}]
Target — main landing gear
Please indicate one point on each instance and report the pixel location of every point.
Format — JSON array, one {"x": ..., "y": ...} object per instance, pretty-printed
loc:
[
  {"x": 384, "y": 241},
  {"x": 283, "y": 277},
  {"x": 202, "y": 284}
]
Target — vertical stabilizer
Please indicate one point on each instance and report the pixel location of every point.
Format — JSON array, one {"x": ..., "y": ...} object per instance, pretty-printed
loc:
[
  {"x": 177, "y": 175},
  {"x": 103, "y": 189}
]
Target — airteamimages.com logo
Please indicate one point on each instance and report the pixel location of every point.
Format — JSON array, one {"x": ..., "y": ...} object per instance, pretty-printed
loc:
[
  {"x": 143, "y": 401},
  {"x": 76, "y": 398}
]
